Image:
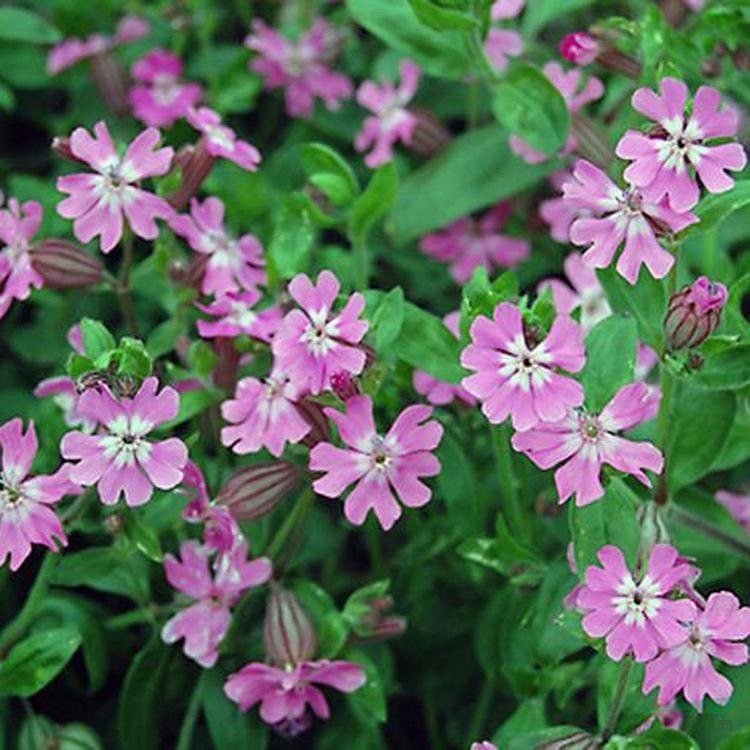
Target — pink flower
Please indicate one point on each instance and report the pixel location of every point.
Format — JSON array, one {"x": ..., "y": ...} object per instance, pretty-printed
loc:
[
  {"x": 312, "y": 344},
  {"x": 501, "y": 44},
  {"x": 64, "y": 393},
  {"x": 486, "y": 745},
  {"x": 586, "y": 441},
  {"x": 263, "y": 415},
  {"x": 559, "y": 213},
  {"x": 584, "y": 293},
  {"x": 71, "y": 51},
  {"x": 738, "y": 505},
  {"x": 235, "y": 317},
  {"x": 98, "y": 201},
  {"x": 468, "y": 244},
  {"x": 300, "y": 66},
  {"x": 567, "y": 84},
  {"x": 516, "y": 378},
  {"x": 221, "y": 141},
  {"x": 579, "y": 48},
  {"x": 668, "y": 716},
  {"x": 26, "y": 517},
  {"x": 232, "y": 264},
  {"x": 620, "y": 216},
  {"x": 571, "y": 600},
  {"x": 160, "y": 99},
  {"x": 663, "y": 157},
  {"x": 687, "y": 665},
  {"x": 635, "y": 614},
  {"x": 392, "y": 121},
  {"x": 18, "y": 225},
  {"x": 120, "y": 459},
  {"x": 204, "y": 624},
  {"x": 502, "y": 9},
  {"x": 378, "y": 464},
  {"x": 284, "y": 694},
  {"x": 434, "y": 390}
]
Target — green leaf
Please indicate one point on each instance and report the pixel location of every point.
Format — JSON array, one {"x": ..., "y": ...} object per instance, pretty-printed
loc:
[
  {"x": 726, "y": 370},
  {"x": 318, "y": 159},
  {"x": 658, "y": 737},
  {"x": 374, "y": 203},
  {"x": 539, "y": 13},
  {"x": 441, "y": 54},
  {"x": 437, "y": 17},
  {"x": 19, "y": 25},
  {"x": 134, "y": 360},
  {"x": 97, "y": 340},
  {"x": 610, "y": 359},
  {"x": 476, "y": 170},
  {"x": 388, "y": 318},
  {"x": 575, "y": 738},
  {"x": 192, "y": 403},
  {"x": 7, "y": 98},
  {"x": 359, "y": 605},
  {"x": 529, "y": 106},
  {"x": 163, "y": 338},
  {"x": 714, "y": 208},
  {"x": 738, "y": 741},
  {"x": 368, "y": 704},
  {"x": 528, "y": 717},
  {"x": 37, "y": 660},
  {"x": 480, "y": 297},
  {"x": 293, "y": 237},
  {"x": 331, "y": 625},
  {"x": 458, "y": 487},
  {"x": 143, "y": 537}
]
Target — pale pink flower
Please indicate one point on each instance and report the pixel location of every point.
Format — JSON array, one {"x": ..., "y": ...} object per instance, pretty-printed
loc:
[
  {"x": 645, "y": 361},
  {"x": 503, "y": 9},
  {"x": 285, "y": 694},
  {"x": 738, "y": 505},
  {"x": 485, "y": 745},
  {"x": 571, "y": 600},
  {"x": 501, "y": 44},
  {"x": 26, "y": 517},
  {"x": 635, "y": 613},
  {"x": 232, "y": 264},
  {"x": 221, "y": 141},
  {"x": 392, "y": 121},
  {"x": 469, "y": 243},
  {"x": 585, "y": 293},
  {"x": 235, "y": 316},
  {"x": 687, "y": 665},
  {"x": 568, "y": 84},
  {"x": 64, "y": 393},
  {"x": 312, "y": 344},
  {"x": 160, "y": 98},
  {"x": 301, "y": 66},
  {"x": 517, "y": 378},
  {"x": 586, "y": 441},
  {"x": 119, "y": 459},
  {"x": 379, "y": 464},
  {"x": 437, "y": 392},
  {"x": 620, "y": 216},
  {"x": 99, "y": 201},
  {"x": 695, "y": 5},
  {"x": 579, "y": 48},
  {"x": 264, "y": 415},
  {"x": 668, "y": 716},
  {"x": 559, "y": 213},
  {"x": 18, "y": 225},
  {"x": 71, "y": 51},
  {"x": 664, "y": 158},
  {"x": 204, "y": 624}
]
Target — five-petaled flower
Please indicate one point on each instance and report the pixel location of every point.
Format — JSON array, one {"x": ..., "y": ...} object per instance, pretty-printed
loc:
[
  {"x": 379, "y": 464},
  {"x": 220, "y": 140},
  {"x": 235, "y": 315},
  {"x": 98, "y": 202},
  {"x": 119, "y": 459}
]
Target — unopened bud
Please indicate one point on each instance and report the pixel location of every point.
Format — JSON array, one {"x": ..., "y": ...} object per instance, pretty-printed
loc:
[
  {"x": 227, "y": 363},
  {"x": 288, "y": 632},
  {"x": 61, "y": 146},
  {"x": 599, "y": 46},
  {"x": 378, "y": 624},
  {"x": 195, "y": 164},
  {"x": 189, "y": 273},
  {"x": 653, "y": 530},
  {"x": 111, "y": 80},
  {"x": 579, "y": 48},
  {"x": 575, "y": 741},
  {"x": 694, "y": 313},
  {"x": 255, "y": 491},
  {"x": 430, "y": 136},
  {"x": 591, "y": 142},
  {"x": 64, "y": 265},
  {"x": 313, "y": 415},
  {"x": 344, "y": 385}
]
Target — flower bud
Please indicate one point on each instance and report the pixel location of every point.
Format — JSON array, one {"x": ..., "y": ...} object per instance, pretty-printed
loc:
[
  {"x": 61, "y": 146},
  {"x": 430, "y": 135},
  {"x": 64, "y": 265},
  {"x": 111, "y": 80},
  {"x": 694, "y": 313},
  {"x": 288, "y": 632},
  {"x": 344, "y": 385},
  {"x": 579, "y": 48},
  {"x": 313, "y": 414},
  {"x": 227, "y": 363},
  {"x": 378, "y": 624},
  {"x": 196, "y": 164},
  {"x": 255, "y": 491}
]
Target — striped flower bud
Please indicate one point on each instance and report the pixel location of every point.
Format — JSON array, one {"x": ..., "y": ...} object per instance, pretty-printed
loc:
[
  {"x": 195, "y": 164},
  {"x": 288, "y": 632},
  {"x": 64, "y": 265},
  {"x": 694, "y": 313},
  {"x": 255, "y": 491},
  {"x": 313, "y": 414}
]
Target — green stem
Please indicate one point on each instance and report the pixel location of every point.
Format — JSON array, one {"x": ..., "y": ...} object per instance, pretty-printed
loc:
[
  {"x": 473, "y": 101},
  {"x": 475, "y": 45},
  {"x": 708, "y": 529},
  {"x": 618, "y": 700},
  {"x": 361, "y": 263},
  {"x": 480, "y": 712},
  {"x": 185, "y": 738},
  {"x": 500, "y": 441},
  {"x": 299, "y": 512},
  {"x": 15, "y": 630},
  {"x": 123, "y": 285}
]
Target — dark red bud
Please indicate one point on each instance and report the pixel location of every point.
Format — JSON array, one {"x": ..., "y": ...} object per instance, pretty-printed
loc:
[
  {"x": 318, "y": 421},
  {"x": 430, "y": 135},
  {"x": 112, "y": 81},
  {"x": 64, "y": 265},
  {"x": 579, "y": 48},
  {"x": 61, "y": 146},
  {"x": 344, "y": 385},
  {"x": 227, "y": 363},
  {"x": 255, "y": 491},
  {"x": 288, "y": 632},
  {"x": 694, "y": 313},
  {"x": 190, "y": 273},
  {"x": 196, "y": 164}
]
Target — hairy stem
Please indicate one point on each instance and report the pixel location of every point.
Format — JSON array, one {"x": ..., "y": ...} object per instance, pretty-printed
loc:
[
  {"x": 618, "y": 700},
  {"x": 123, "y": 285}
]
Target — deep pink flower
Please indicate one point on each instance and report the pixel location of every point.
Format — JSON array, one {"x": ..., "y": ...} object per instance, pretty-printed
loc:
[
  {"x": 160, "y": 99},
  {"x": 221, "y": 141},
  {"x": 301, "y": 66},
  {"x": 738, "y": 505},
  {"x": 436, "y": 391},
  {"x": 204, "y": 624},
  {"x": 263, "y": 415},
  {"x": 120, "y": 459},
  {"x": 586, "y": 441},
  {"x": 312, "y": 344},
  {"x": 518, "y": 379},
  {"x": 26, "y": 517},
  {"x": 635, "y": 614},
  {"x": 72, "y": 51},
  {"x": 98, "y": 201},
  {"x": 233, "y": 264},
  {"x": 468, "y": 244},
  {"x": 687, "y": 665},
  {"x": 392, "y": 121},
  {"x": 585, "y": 293},
  {"x": 18, "y": 225},
  {"x": 620, "y": 216},
  {"x": 579, "y": 48},
  {"x": 378, "y": 464},
  {"x": 236, "y": 316},
  {"x": 284, "y": 694},
  {"x": 663, "y": 157}
]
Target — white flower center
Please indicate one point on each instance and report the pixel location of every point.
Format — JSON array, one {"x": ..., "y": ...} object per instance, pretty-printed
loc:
[
  {"x": 320, "y": 334},
  {"x": 165, "y": 89},
  {"x": 125, "y": 442},
  {"x": 637, "y": 601}
]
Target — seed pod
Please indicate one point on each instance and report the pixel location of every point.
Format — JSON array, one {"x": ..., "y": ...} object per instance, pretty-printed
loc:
[
  {"x": 694, "y": 313},
  {"x": 255, "y": 491},
  {"x": 64, "y": 265},
  {"x": 112, "y": 81},
  {"x": 196, "y": 164},
  {"x": 288, "y": 632}
]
